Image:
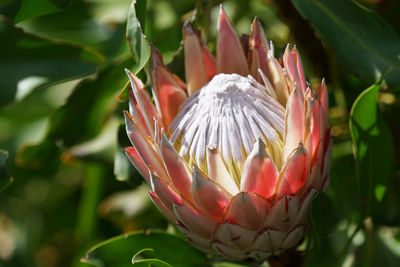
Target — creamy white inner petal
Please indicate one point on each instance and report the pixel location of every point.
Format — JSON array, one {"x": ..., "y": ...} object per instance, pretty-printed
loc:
[{"x": 230, "y": 112}]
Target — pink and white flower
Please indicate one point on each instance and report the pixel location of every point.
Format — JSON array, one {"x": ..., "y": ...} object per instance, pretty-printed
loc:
[{"x": 235, "y": 155}]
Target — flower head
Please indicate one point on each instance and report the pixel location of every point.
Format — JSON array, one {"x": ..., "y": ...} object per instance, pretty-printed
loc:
[{"x": 234, "y": 155}]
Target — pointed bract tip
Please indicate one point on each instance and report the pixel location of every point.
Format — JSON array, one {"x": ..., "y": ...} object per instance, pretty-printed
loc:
[
  {"x": 222, "y": 18},
  {"x": 287, "y": 49},
  {"x": 153, "y": 195},
  {"x": 164, "y": 140},
  {"x": 301, "y": 148},
  {"x": 212, "y": 148},
  {"x": 128, "y": 149},
  {"x": 131, "y": 77},
  {"x": 260, "y": 145},
  {"x": 156, "y": 57},
  {"x": 127, "y": 71},
  {"x": 188, "y": 28},
  {"x": 153, "y": 180},
  {"x": 259, "y": 149},
  {"x": 129, "y": 120},
  {"x": 256, "y": 24},
  {"x": 198, "y": 177}
]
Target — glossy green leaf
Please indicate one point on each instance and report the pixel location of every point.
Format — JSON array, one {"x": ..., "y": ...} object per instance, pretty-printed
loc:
[
  {"x": 81, "y": 118},
  {"x": 137, "y": 42},
  {"x": 86, "y": 23},
  {"x": 29, "y": 9},
  {"x": 140, "y": 257},
  {"x": 373, "y": 145},
  {"x": 363, "y": 42},
  {"x": 153, "y": 247},
  {"x": 28, "y": 62},
  {"x": 123, "y": 94},
  {"x": 5, "y": 179}
]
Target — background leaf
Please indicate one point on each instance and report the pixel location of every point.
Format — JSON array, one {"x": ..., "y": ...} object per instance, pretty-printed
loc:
[
  {"x": 5, "y": 179},
  {"x": 28, "y": 62},
  {"x": 373, "y": 145},
  {"x": 137, "y": 42},
  {"x": 119, "y": 251},
  {"x": 363, "y": 42},
  {"x": 29, "y": 9},
  {"x": 86, "y": 108}
]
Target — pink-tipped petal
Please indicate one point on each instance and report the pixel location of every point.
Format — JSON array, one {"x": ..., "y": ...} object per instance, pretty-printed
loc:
[
  {"x": 300, "y": 69},
  {"x": 294, "y": 128},
  {"x": 218, "y": 172},
  {"x": 278, "y": 79},
  {"x": 167, "y": 92},
  {"x": 161, "y": 206},
  {"x": 142, "y": 98},
  {"x": 230, "y": 55},
  {"x": 247, "y": 210},
  {"x": 313, "y": 129},
  {"x": 176, "y": 167},
  {"x": 258, "y": 49},
  {"x": 322, "y": 93},
  {"x": 208, "y": 196},
  {"x": 143, "y": 145},
  {"x": 195, "y": 221},
  {"x": 134, "y": 110},
  {"x": 259, "y": 172},
  {"x": 294, "y": 172},
  {"x": 195, "y": 72},
  {"x": 234, "y": 236},
  {"x": 291, "y": 67},
  {"x": 140, "y": 166},
  {"x": 200, "y": 65},
  {"x": 164, "y": 191}
]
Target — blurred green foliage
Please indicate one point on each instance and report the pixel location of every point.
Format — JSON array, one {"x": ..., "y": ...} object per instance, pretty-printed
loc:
[{"x": 61, "y": 130}]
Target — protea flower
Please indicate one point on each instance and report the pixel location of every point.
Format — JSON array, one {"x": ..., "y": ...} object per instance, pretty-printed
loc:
[{"x": 235, "y": 155}]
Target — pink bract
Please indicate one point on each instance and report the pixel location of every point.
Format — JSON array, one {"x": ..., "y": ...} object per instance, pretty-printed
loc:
[{"x": 235, "y": 155}]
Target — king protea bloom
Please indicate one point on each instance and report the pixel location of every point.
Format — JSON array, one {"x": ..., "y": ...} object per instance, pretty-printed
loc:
[{"x": 235, "y": 155}]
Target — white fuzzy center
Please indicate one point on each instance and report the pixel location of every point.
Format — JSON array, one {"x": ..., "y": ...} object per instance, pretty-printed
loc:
[{"x": 230, "y": 112}]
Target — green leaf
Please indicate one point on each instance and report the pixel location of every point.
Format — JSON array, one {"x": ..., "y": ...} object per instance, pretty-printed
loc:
[
  {"x": 5, "y": 179},
  {"x": 29, "y": 8},
  {"x": 81, "y": 118},
  {"x": 28, "y": 62},
  {"x": 123, "y": 94},
  {"x": 86, "y": 23},
  {"x": 153, "y": 247},
  {"x": 137, "y": 42},
  {"x": 322, "y": 217},
  {"x": 373, "y": 145},
  {"x": 363, "y": 42},
  {"x": 141, "y": 257},
  {"x": 324, "y": 221},
  {"x": 379, "y": 249}
]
